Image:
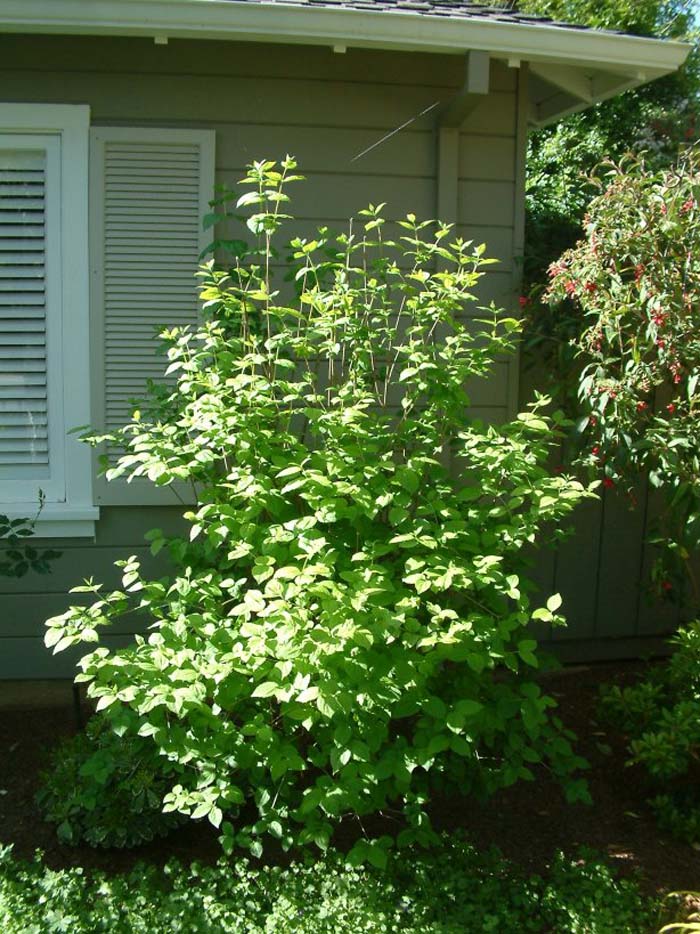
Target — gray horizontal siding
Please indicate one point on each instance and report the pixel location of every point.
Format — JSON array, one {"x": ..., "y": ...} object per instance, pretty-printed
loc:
[{"x": 118, "y": 55}]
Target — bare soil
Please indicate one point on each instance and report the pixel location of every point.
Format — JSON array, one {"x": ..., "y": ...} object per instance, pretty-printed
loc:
[{"x": 529, "y": 823}]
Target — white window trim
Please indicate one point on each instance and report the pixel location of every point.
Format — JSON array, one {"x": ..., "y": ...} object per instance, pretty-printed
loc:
[{"x": 75, "y": 515}]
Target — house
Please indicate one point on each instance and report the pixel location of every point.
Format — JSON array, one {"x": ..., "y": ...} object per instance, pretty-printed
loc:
[{"x": 116, "y": 117}]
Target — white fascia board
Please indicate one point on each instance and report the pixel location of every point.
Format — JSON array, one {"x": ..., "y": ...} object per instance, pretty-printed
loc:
[{"x": 397, "y": 30}]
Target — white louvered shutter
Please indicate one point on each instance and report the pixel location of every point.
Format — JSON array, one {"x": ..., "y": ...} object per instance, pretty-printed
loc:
[
  {"x": 31, "y": 422},
  {"x": 150, "y": 190}
]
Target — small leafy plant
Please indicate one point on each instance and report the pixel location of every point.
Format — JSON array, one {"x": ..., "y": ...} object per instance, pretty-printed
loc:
[
  {"x": 661, "y": 718},
  {"x": 348, "y": 620},
  {"x": 17, "y": 557},
  {"x": 106, "y": 790}
]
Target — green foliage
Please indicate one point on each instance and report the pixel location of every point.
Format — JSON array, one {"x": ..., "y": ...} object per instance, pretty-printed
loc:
[
  {"x": 347, "y": 622},
  {"x": 635, "y": 281},
  {"x": 658, "y": 119},
  {"x": 638, "y": 17},
  {"x": 678, "y": 814},
  {"x": 16, "y": 556},
  {"x": 452, "y": 891},
  {"x": 661, "y": 719},
  {"x": 106, "y": 790}
]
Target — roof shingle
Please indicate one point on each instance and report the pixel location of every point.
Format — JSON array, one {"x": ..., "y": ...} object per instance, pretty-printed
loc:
[{"x": 455, "y": 9}]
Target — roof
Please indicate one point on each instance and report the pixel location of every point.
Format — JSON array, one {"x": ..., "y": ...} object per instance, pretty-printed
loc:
[
  {"x": 455, "y": 9},
  {"x": 571, "y": 67}
]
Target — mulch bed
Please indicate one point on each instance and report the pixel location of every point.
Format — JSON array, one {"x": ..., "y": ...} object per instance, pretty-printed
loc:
[{"x": 528, "y": 822}]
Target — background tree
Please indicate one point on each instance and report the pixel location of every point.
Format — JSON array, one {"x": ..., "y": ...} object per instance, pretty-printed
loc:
[{"x": 658, "y": 118}]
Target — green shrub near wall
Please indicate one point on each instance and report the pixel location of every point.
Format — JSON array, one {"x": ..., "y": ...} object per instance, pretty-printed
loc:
[{"x": 349, "y": 618}]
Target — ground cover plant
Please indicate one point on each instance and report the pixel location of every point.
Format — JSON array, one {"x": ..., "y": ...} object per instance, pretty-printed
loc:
[
  {"x": 347, "y": 623},
  {"x": 451, "y": 891}
]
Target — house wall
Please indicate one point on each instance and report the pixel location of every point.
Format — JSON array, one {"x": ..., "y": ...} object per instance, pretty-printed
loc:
[
  {"x": 603, "y": 572},
  {"x": 327, "y": 109},
  {"x": 264, "y": 101}
]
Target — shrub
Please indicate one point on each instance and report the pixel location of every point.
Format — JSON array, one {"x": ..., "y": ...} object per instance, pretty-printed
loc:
[
  {"x": 17, "y": 557},
  {"x": 661, "y": 718},
  {"x": 636, "y": 279},
  {"x": 453, "y": 891},
  {"x": 106, "y": 790},
  {"x": 347, "y": 618}
]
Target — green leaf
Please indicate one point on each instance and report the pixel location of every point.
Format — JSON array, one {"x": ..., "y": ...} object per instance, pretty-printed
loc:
[
  {"x": 266, "y": 689},
  {"x": 310, "y": 694},
  {"x": 526, "y": 652},
  {"x": 377, "y": 856}
]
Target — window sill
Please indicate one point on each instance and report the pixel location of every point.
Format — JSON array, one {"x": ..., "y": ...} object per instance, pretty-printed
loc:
[{"x": 56, "y": 520}]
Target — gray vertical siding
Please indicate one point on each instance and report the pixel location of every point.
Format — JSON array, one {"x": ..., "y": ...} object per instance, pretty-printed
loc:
[{"x": 602, "y": 571}]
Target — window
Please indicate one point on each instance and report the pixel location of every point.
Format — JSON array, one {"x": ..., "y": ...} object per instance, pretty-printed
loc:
[
  {"x": 44, "y": 316},
  {"x": 100, "y": 236}
]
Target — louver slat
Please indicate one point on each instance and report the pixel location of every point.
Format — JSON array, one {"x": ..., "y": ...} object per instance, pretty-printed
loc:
[
  {"x": 153, "y": 194},
  {"x": 24, "y": 439}
]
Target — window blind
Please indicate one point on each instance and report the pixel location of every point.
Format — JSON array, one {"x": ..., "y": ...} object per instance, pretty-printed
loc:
[{"x": 24, "y": 435}]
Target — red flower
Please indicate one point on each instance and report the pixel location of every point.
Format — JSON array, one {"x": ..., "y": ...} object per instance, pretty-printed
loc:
[
  {"x": 523, "y": 301},
  {"x": 570, "y": 287},
  {"x": 554, "y": 269},
  {"x": 641, "y": 406},
  {"x": 595, "y": 450},
  {"x": 660, "y": 343},
  {"x": 590, "y": 286},
  {"x": 670, "y": 408},
  {"x": 608, "y": 483},
  {"x": 666, "y": 585}
]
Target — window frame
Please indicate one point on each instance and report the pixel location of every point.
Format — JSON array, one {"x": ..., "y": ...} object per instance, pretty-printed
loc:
[{"x": 70, "y": 511}]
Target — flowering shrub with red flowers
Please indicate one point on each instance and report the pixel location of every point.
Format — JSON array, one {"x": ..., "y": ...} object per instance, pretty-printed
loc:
[{"x": 635, "y": 279}]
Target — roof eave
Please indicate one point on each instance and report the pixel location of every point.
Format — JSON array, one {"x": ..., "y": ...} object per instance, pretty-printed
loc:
[{"x": 634, "y": 59}]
